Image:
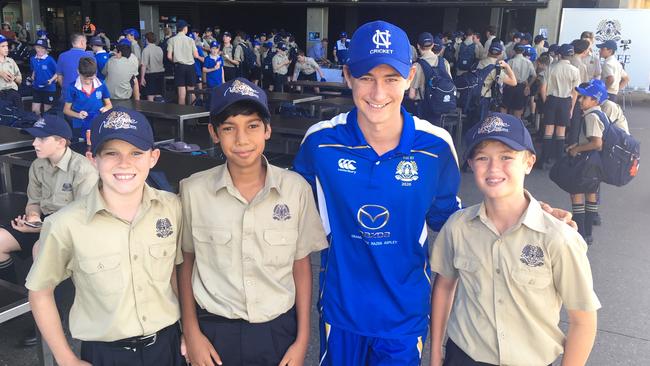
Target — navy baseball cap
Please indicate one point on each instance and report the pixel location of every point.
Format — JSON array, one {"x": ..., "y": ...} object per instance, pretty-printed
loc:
[
  {"x": 520, "y": 47},
  {"x": 41, "y": 33},
  {"x": 425, "y": 39},
  {"x": 96, "y": 41},
  {"x": 502, "y": 127},
  {"x": 124, "y": 41},
  {"x": 528, "y": 37},
  {"x": 180, "y": 24},
  {"x": 539, "y": 38},
  {"x": 123, "y": 124},
  {"x": 268, "y": 44},
  {"x": 596, "y": 89},
  {"x": 237, "y": 90},
  {"x": 567, "y": 50},
  {"x": 41, "y": 43},
  {"x": 214, "y": 44},
  {"x": 610, "y": 44},
  {"x": 50, "y": 125},
  {"x": 132, "y": 32},
  {"x": 226, "y": 34},
  {"x": 3, "y": 39},
  {"x": 518, "y": 35},
  {"x": 343, "y": 35},
  {"x": 554, "y": 48},
  {"x": 496, "y": 48},
  {"x": 282, "y": 46},
  {"x": 377, "y": 43}
]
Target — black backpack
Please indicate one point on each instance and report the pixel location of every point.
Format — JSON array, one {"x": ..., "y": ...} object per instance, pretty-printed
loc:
[
  {"x": 449, "y": 53},
  {"x": 267, "y": 63},
  {"x": 248, "y": 63},
  {"x": 471, "y": 83},
  {"x": 466, "y": 56},
  {"x": 439, "y": 89}
]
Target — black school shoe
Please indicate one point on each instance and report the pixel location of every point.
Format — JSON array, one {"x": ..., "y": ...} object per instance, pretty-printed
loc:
[
  {"x": 589, "y": 239},
  {"x": 597, "y": 220},
  {"x": 30, "y": 339}
]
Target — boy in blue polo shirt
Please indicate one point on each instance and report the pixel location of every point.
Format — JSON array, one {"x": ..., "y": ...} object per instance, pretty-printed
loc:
[
  {"x": 44, "y": 76},
  {"x": 101, "y": 56},
  {"x": 213, "y": 66},
  {"x": 86, "y": 97}
]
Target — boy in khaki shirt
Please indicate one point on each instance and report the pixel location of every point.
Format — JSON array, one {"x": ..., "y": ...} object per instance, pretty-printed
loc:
[
  {"x": 249, "y": 228},
  {"x": 119, "y": 245},
  {"x": 511, "y": 265}
]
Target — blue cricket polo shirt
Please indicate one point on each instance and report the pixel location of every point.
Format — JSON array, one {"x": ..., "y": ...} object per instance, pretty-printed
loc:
[
  {"x": 214, "y": 78},
  {"x": 68, "y": 65},
  {"x": 102, "y": 58},
  {"x": 198, "y": 67},
  {"x": 44, "y": 69},
  {"x": 375, "y": 210},
  {"x": 90, "y": 103}
]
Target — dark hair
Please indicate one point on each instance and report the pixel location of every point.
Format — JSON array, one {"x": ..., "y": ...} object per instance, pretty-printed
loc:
[
  {"x": 587, "y": 34},
  {"x": 87, "y": 67},
  {"x": 124, "y": 49},
  {"x": 491, "y": 29},
  {"x": 244, "y": 108},
  {"x": 544, "y": 59},
  {"x": 300, "y": 52},
  {"x": 470, "y": 32},
  {"x": 76, "y": 37},
  {"x": 151, "y": 38},
  {"x": 580, "y": 45}
]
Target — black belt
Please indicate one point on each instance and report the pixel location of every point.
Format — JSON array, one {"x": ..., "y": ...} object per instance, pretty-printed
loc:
[{"x": 135, "y": 343}]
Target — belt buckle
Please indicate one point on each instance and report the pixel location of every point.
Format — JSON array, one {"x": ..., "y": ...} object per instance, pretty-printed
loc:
[{"x": 151, "y": 340}]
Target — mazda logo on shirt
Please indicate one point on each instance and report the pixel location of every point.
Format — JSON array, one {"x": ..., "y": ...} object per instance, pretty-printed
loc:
[{"x": 373, "y": 217}]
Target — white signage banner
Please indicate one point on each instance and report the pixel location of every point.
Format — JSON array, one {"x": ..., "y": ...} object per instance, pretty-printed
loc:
[{"x": 629, "y": 28}]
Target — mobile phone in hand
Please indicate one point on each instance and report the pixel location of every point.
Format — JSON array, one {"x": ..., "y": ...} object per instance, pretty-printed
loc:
[{"x": 34, "y": 224}]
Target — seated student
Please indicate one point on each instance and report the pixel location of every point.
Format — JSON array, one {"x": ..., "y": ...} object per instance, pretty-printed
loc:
[
  {"x": 10, "y": 76},
  {"x": 119, "y": 245},
  {"x": 43, "y": 76},
  {"x": 57, "y": 177},
  {"x": 86, "y": 98},
  {"x": 306, "y": 68},
  {"x": 511, "y": 265},
  {"x": 101, "y": 56},
  {"x": 246, "y": 265},
  {"x": 213, "y": 66},
  {"x": 590, "y": 137},
  {"x": 122, "y": 72}
]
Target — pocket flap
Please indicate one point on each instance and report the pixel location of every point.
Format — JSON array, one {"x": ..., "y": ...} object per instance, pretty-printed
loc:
[
  {"x": 534, "y": 279},
  {"x": 160, "y": 251},
  {"x": 96, "y": 265},
  {"x": 465, "y": 264},
  {"x": 211, "y": 236},
  {"x": 281, "y": 237}
]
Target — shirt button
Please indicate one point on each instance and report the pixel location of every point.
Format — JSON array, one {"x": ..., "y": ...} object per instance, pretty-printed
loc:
[
  {"x": 247, "y": 259},
  {"x": 498, "y": 271},
  {"x": 249, "y": 283},
  {"x": 139, "y": 288},
  {"x": 135, "y": 257},
  {"x": 377, "y": 163},
  {"x": 500, "y": 302},
  {"x": 144, "y": 318}
]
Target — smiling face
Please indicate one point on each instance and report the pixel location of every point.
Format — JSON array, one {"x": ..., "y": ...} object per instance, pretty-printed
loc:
[
  {"x": 123, "y": 168},
  {"x": 242, "y": 139},
  {"x": 499, "y": 171},
  {"x": 378, "y": 94}
]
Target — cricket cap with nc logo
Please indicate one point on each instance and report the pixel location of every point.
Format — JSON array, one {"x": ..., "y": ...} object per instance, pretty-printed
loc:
[{"x": 377, "y": 43}]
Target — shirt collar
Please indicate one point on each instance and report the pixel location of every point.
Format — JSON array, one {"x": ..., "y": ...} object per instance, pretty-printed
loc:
[
  {"x": 533, "y": 217},
  {"x": 565, "y": 61},
  {"x": 594, "y": 108},
  {"x": 405, "y": 141},
  {"x": 96, "y": 83},
  {"x": 95, "y": 202},
  {"x": 223, "y": 179},
  {"x": 101, "y": 51},
  {"x": 41, "y": 57},
  {"x": 65, "y": 160}
]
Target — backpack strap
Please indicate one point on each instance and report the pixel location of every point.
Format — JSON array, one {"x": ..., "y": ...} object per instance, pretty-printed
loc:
[
  {"x": 427, "y": 70},
  {"x": 602, "y": 116}
]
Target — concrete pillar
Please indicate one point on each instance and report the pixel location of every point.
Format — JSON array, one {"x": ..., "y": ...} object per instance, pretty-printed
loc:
[
  {"x": 317, "y": 20},
  {"x": 31, "y": 10},
  {"x": 450, "y": 20},
  {"x": 150, "y": 15},
  {"x": 549, "y": 19},
  {"x": 496, "y": 18}
]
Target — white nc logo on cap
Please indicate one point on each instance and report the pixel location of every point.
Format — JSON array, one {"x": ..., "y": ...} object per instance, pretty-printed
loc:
[{"x": 381, "y": 39}]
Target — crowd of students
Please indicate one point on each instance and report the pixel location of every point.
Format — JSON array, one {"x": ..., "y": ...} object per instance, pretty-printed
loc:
[{"x": 230, "y": 255}]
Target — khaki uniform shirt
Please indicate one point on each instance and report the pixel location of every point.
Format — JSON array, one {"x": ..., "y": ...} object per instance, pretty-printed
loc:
[
  {"x": 486, "y": 90},
  {"x": 594, "y": 68},
  {"x": 234, "y": 53},
  {"x": 136, "y": 50},
  {"x": 522, "y": 67},
  {"x": 612, "y": 67},
  {"x": 308, "y": 67},
  {"x": 579, "y": 63},
  {"x": 244, "y": 252},
  {"x": 53, "y": 187},
  {"x": 562, "y": 79},
  {"x": 593, "y": 126},
  {"x": 615, "y": 114},
  {"x": 277, "y": 61},
  {"x": 512, "y": 286},
  {"x": 152, "y": 59},
  {"x": 539, "y": 48},
  {"x": 9, "y": 66},
  {"x": 121, "y": 270},
  {"x": 419, "y": 78},
  {"x": 119, "y": 72},
  {"x": 182, "y": 48}
]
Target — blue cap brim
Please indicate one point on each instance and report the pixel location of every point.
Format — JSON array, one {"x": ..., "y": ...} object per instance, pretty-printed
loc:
[
  {"x": 136, "y": 141},
  {"x": 511, "y": 143},
  {"x": 582, "y": 91},
  {"x": 362, "y": 67},
  {"x": 37, "y": 132}
]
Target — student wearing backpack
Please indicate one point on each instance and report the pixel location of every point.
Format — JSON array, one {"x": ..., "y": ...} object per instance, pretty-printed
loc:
[
  {"x": 418, "y": 89},
  {"x": 514, "y": 97},
  {"x": 468, "y": 52},
  {"x": 492, "y": 66}
]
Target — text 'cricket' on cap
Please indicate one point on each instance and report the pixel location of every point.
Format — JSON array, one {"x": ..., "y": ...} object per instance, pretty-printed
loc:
[
  {"x": 123, "y": 124},
  {"x": 502, "y": 127},
  {"x": 378, "y": 43},
  {"x": 238, "y": 90}
]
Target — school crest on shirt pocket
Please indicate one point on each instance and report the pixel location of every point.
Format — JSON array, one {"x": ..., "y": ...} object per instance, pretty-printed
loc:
[
  {"x": 164, "y": 228},
  {"x": 98, "y": 95},
  {"x": 67, "y": 187},
  {"x": 532, "y": 256},
  {"x": 281, "y": 212}
]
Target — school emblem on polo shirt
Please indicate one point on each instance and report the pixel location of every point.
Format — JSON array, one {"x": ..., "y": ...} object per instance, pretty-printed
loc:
[
  {"x": 98, "y": 94},
  {"x": 281, "y": 212},
  {"x": 164, "y": 228},
  {"x": 239, "y": 87},
  {"x": 407, "y": 171},
  {"x": 532, "y": 256},
  {"x": 493, "y": 124},
  {"x": 118, "y": 120},
  {"x": 40, "y": 123},
  {"x": 67, "y": 187}
]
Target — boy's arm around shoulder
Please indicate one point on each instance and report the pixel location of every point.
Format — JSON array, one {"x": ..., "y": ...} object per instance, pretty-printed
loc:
[{"x": 446, "y": 201}]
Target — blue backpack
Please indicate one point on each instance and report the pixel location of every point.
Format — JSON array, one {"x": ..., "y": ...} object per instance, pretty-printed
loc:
[
  {"x": 470, "y": 84},
  {"x": 439, "y": 89},
  {"x": 620, "y": 153},
  {"x": 466, "y": 57}
]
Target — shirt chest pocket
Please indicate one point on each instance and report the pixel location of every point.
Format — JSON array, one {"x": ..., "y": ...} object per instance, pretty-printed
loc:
[
  {"x": 468, "y": 272},
  {"x": 533, "y": 279},
  {"x": 279, "y": 247},
  {"x": 213, "y": 246},
  {"x": 102, "y": 275},
  {"x": 161, "y": 263}
]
